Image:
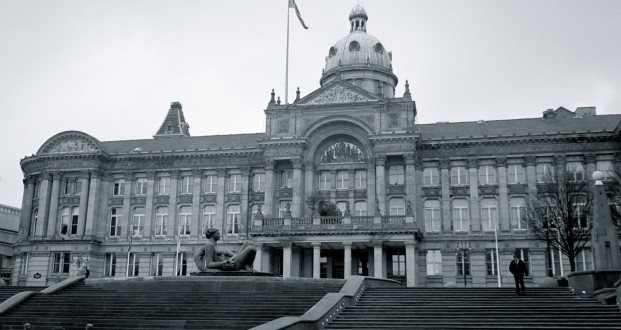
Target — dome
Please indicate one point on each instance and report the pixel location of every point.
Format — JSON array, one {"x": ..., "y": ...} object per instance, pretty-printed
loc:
[{"x": 360, "y": 58}]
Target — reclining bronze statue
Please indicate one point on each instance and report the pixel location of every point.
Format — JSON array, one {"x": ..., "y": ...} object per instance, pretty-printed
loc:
[{"x": 211, "y": 257}]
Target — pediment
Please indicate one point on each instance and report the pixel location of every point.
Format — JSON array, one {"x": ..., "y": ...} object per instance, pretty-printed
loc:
[
  {"x": 338, "y": 92},
  {"x": 71, "y": 142}
]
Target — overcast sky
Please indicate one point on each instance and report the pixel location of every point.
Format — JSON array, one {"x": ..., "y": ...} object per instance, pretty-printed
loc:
[{"x": 111, "y": 68}]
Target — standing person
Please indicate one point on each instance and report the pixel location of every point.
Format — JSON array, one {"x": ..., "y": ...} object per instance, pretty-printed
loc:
[{"x": 518, "y": 269}]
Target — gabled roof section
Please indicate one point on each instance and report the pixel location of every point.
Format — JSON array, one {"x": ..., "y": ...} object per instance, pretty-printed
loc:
[
  {"x": 190, "y": 143},
  {"x": 174, "y": 124},
  {"x": 70, "y": 142},
  {"x": 519, "y": 127},
  {"x": 337, "y": 92}
]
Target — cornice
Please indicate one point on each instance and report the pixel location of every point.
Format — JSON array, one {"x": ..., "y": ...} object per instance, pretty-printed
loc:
[{"x": 450, "y": 143}]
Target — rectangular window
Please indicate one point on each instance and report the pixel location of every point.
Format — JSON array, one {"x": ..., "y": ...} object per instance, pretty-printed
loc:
[
  {"x": 161, "y": 217},
  {"x": 35, "y": 222},
  {"x": 283, "y": 208},
  {"x": 118, "y": 188},
  {"x": 211, "y": 184},
  {"x": 235, "y": 183},
  {"x": 65, "y": 216},
  {"x": 487, "y": 175},
  {"x": 209, "y": 217},
  {"x": 116, "y": 215},
  {"x": 459, "y": 175},
  {"x": 285, "y": 179},
  {"x": 185, "y": 219},
  {"x": 361, "y": 179},
  {"x": 461, "y": 216},
  {"x": 515, "y": 174},
  {"x": 140, "y": 187},
  {"x": 545, "y": 172},
  {"x": 580, "y": 214},
  {"x": 187, "y": 184},
  {"x": 434, "y": 262},
  {"x": 397, "y": 206},
  {"x": 232, "y": 220},
  {"x": 342, "y": 180},
  {"x": 110, "y": 265},
  {"x": 463, "y": 263},
  {"x": 157, "y": 264},
  {"x": 138, "y": 222},
  {"x": 396, "y": 175},
  {"x": 163, "y": 186},
  {"x": 517, "y": 213},
  {"x": 68, "y": 186},
  {"x": 575, "y": 171},
  {"x": 491, "y": 262},
  {"x": 341, "y": 207},
  {"x": 557, "y": 264},
  {"x": 431, "y": 176},
  {"x": 61, "y": 264},
  {"x": 584, "y": 261},
  {"x": 133, "y": 264},
  {"x": 77, "y": 186},
  {"x": 360, "y": 209},
  {"x": 37, "y": 188},
  {"x": 489, "y": 214},
  {"x": 398, "y": 265},
  {"x": 75, "y": 215},
  {"x": 606, "y": 167},
  {"x": 255, "y": 210},
  {"x": 181, "y": 264},
  {"x": 23, "y": 270},
  {"x": 258, "y": 182},
  {"x": 432, "y": 216},
  {"x": 324, "y": 180},
  {"x": 523, "y": 254}
]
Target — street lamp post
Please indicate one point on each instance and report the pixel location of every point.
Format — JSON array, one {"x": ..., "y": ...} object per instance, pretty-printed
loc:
[
  {"x": 548, "y": 255},
  {"x": 463, "y": 247}
]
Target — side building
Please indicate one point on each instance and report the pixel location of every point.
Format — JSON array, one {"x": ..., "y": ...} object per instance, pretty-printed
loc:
[
  {"x": 425, "y": 204},
  {"x": 9, "y": 225}
]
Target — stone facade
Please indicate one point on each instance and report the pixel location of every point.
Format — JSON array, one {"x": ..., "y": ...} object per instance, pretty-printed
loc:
[{"x": 408, "y": 192}]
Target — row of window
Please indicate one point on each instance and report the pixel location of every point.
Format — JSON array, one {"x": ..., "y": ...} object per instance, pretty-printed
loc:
[
  {"x": 584, "y": 261},
  {"x": 461, "y": 214}
]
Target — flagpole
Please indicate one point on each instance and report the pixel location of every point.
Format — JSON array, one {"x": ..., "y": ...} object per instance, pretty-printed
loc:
[{"x": 287, "y": 61}]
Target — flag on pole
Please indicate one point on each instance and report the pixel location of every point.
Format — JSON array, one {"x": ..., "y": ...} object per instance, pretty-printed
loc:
[{"x": 297, "y": 12}]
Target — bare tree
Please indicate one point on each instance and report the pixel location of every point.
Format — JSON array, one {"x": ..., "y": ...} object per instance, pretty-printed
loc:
[
  {"x": 613, "y": 190},
  {"x": 559, "y": 215}
]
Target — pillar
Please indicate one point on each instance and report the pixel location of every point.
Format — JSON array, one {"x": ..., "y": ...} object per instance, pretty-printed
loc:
[
  {"x": 446, "y": 197},
  {"x": 220, "y": 210},
  {"x": 378, "y": 259},
  {"x": 371, "y": 198},
  {"x": 380, "y": 182},
  {"x": 504, "y": 222},
  {"x": 26, "y": 215},
  {"x": 244, "y": 215},
  {"x": 148, "y": 217},
  {"x": 475, "y": 211},
  {"x": 347, "y": 259},
  {"x": 258, "y": 258},
  {"x": 84, "y": 191},
  {"x": 410, "y": 177},
  {"x": 44, "y": 205},
  {"x": 93, "y": 204},
  {"x": 268, "y": 198},
  {"x": 316, "y": 260},
  {"x": 172, "y": 205},
  {"x": 127, "y": 214},
  {"x": 195, "y": 227},
  {"x": 53, "y": 213},
  {"x": 309, "y": 183},
  {"x": 286, "y": 259},
  {"x": 298, "y": 188},
  {"x": 531, "y": 177},
  {"x": 411, "y": 256}
]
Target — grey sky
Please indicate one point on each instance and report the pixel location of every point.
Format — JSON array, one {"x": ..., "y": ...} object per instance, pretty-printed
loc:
[{"x": 111, "y": 68}]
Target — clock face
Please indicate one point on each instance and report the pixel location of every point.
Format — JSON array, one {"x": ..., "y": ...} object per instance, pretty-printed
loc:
[{"x": 354, "y": 46}]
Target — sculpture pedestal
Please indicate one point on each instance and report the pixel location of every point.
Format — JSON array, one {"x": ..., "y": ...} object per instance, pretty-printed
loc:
[{"x": 237, "y": 273}]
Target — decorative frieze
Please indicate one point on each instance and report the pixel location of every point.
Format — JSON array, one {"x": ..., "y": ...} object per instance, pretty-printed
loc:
[
  {"x": 546, "y": 188},
  {"x": 342, "y": 194},
  {"x": 445, "y": 164},
  {"x": 69, "y": 200},
  {"x": 460, "y": 191},
  {"x": 139, "y": 200},
  {"x": 161, "y": 199},
  {"x": 432, "y": 192},
  {"x": 358, "y": 194},
  {"x": 488, "y": 190},
  {"x": 501, "y": 161},
  {"x": 530, "y": 160},
  {"x": 517, "y": 189},
  {"x": 233, "y": 198},
  {"x": 472, "y": 163},
  {"x": 284, "y": 193},
  {"x": 396, "y": 190},
  {"x": 211, "y": 198},
  {"x": 115, "y": 201},
  {"x": 184, "y": 199},
  {"x": 257, "y": 197}
]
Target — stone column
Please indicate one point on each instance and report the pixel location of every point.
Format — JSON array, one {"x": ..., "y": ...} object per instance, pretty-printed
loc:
[
  {"x": 172, "y": 205},
  {"x": 148, "y": 216},
  {"x": 127, "y": 214},
  {"x": 531, "y": 177},
  {"x": 220, "y": 210},
  {"x": 26, "y": 215},
  {"x": 380, "y": 182},
  {"x": 268, "y": 199},
  {"x": 84, "y": 191},
  {"x": 244, "y": 221},
  {"x": 446, "y": 197},
  {"x": 44, "y": 205},
  {"x": 309, "y": 184},
  {"x": 589, "y": 160},
  {"x": 286, "y": 259},
  {"x": 316, "y": 260},
  {"x": 258, "y": 258},
  {"x": 411, "y": 256},
  {"x": 298, "y": 188},
  {"x": 53, "y": 213},
  {"x": 347, "y": 259},
  {"x": 378, "y": 259},
  {"x": 475, "y": 211},
  {"x": 94, "y": 194},
  {"x": 504, "y": 223},
  {"x": 410, "y": 177},
  {"x": 195, "y": 228},
  {"x": 418, "y": 193},
  {"x": 371, "y": 187}
]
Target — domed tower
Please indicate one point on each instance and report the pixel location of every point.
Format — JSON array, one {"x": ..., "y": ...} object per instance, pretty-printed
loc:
[{"x": 360, "y": 59}]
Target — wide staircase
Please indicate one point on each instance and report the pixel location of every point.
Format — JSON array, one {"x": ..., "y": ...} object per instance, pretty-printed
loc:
[
  {"x": 475, "y": 308},
  {"x": 80, "y": 304},
  {"x": 7, "y": 292}
]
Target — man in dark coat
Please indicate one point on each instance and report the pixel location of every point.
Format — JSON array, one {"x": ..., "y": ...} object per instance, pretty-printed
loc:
[{"x": 518, "y": 269}]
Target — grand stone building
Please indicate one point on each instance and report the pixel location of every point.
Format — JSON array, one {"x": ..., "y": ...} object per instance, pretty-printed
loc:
[{"x": 426, "y": 204}]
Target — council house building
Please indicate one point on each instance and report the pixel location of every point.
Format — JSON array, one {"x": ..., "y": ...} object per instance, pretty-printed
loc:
[{"x": 424, "y": 204}]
